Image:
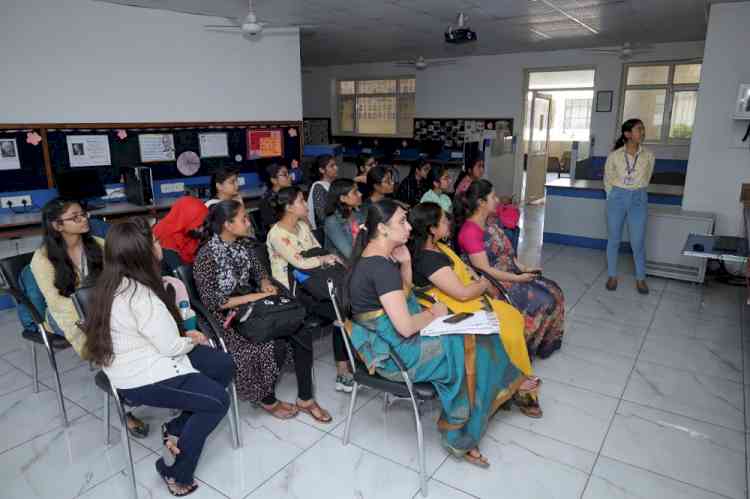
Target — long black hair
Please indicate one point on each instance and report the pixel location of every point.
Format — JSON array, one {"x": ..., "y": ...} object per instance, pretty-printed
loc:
[
  {"x": 435, "y": 174},
  {"x": 129, "y": 252},
  {"x": 377, "y": 213},
  {"x": 376, "y": 175},
  {"x": 53, "y": 242},
  {"x": 422, "y": 218},
  {"x": 361, "y": 161},
  {"x": 339, "y": 187},
  {"x": 285, "y": 197},
  {"x": 626, "y": 127},
  {"x": 220, "y": 176},
  {"x": 218, "y": 215},
  {"x": 467, "y": 203}
]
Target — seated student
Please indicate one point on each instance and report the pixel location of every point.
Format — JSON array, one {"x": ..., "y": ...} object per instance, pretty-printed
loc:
[
  {"x": 379, "y": 183},
  {"x": 414, "y": 186},
  {"x": 279, "y": 177},
  {"x": 439, "y": 181},
  {"x": 69, "y": 257},
  {"x": 489, "y": 249},
  {"x": 225, "y": 185},
  {"x": 287, "y": 242},
  {"x": 387, "y": 317},
  {"x": 179, "y": 229},
  {"x": 223, "y": 267},
  {"x": 365, "y": 163},
  {"x": 343, "y": 217},
  {"x": 474, "y": 171},
  {"x": 436, "y": 265},
  {"x": 132, "y": 333},
  {"x": 327, "y": 171}
]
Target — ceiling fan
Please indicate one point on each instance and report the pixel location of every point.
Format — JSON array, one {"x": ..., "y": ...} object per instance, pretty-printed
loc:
[
  {"x": 250, "y": 25},
  {"x": 626, "y": 51},
  {"x": 421, "y": 63}
]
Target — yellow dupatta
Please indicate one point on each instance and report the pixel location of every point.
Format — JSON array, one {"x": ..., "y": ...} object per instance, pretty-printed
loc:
[{"x": 511, "y": 320}]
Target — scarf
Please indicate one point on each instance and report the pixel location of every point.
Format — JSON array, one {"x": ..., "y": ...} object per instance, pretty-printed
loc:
[
  {"x": 232, "y": 262},
  {"x": 186, "y": 214}
]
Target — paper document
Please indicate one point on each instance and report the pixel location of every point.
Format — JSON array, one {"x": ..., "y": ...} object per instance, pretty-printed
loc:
[{"x": 480, "y": 323}]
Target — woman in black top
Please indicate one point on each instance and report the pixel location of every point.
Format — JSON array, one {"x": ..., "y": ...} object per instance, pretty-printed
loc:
[{"x": 413, "y": 187}]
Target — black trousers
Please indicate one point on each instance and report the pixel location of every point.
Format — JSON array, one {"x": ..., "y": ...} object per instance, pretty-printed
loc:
[{"x": 302, "y": 353}]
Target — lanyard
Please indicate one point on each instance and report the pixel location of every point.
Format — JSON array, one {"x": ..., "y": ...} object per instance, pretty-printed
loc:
[{"x": 629, "y": 169}]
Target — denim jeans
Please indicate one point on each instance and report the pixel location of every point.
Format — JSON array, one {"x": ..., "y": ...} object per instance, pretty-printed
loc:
[
  {"x": 633, "y": 205},
  {"x": 203, "y": 399}
]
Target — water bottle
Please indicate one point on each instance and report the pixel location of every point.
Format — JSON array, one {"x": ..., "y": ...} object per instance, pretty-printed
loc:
[{"x": 189, "y": 321}]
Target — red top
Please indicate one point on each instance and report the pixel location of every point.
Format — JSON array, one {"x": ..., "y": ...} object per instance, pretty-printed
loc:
[{"x": 172, "y": 231}]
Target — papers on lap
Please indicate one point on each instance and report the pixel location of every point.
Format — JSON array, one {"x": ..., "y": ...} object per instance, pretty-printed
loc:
[{"x": 480, "y": 323}]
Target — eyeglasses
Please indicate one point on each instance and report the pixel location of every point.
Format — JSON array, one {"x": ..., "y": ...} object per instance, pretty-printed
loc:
[{"x": 77, "y": 218}]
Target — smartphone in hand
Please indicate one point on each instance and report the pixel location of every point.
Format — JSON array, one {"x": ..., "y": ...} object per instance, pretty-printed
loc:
[{"x": 458, "y": 318}]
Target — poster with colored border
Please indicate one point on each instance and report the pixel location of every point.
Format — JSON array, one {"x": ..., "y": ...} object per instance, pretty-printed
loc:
[{"x": 265, "y": 143}]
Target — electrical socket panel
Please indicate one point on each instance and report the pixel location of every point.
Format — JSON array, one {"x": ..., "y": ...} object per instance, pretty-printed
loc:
[
  {"x": 173, "y": 187},
  {"x": 15, "y": 201}
]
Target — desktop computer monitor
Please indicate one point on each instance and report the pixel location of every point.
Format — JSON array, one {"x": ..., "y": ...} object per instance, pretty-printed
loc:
[{"x": 80, "y": 184}]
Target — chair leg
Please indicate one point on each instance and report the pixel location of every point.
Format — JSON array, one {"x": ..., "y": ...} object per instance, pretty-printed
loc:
[
  {"x": 236, "y": 412},
  {"x": 60, "y": 400},
  {"x": 107, "y": 418},
  {"x": 421, "y": 450},
  {"x": 34, "y": 367},
  {"x": 349, "y": 415},
  {"x": 126, "y": 444}
]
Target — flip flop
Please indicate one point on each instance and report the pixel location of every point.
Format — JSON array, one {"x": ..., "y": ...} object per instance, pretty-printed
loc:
[
  {"x": 325, "y": 416},
  {"x": 170, "y": 482},
  {"x": 478, "y": 461}
]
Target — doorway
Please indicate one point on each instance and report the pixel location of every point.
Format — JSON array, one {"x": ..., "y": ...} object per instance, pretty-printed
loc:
[{"x": 557, "y": 126}]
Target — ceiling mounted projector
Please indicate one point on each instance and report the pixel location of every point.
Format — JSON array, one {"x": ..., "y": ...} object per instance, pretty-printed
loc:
[{"x": 460, "y": 32}]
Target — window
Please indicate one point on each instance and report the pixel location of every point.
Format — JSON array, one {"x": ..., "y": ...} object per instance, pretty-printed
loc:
[
  {"x": 577, "y": 114},
  {"x": 664, "y": 97},
  {"x": 376, "y": 107}
]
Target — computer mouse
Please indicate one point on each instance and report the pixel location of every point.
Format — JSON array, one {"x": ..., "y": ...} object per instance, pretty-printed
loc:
[{"x": 698, "y": 247}]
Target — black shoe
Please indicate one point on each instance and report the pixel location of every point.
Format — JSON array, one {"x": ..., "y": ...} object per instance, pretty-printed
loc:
[{"x": 612, "y": 284}]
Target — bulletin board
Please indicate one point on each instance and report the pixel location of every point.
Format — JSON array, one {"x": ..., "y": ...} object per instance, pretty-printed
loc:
[
  {"x": 39, "y": 163},
  {"x": 453, "y": 132}
]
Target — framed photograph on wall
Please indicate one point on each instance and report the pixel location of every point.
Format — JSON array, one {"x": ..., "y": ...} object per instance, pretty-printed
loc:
[{"x": 604, "y": 101}]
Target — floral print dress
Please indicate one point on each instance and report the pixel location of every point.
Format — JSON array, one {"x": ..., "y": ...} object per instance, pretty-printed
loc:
[{"x": 541, "y": 301}]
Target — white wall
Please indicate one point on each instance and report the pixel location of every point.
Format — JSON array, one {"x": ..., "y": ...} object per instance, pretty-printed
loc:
[
  {"x": 717, "y": 165},
  {"x": 492, "y": 86},
  {"x": 81, "y": 61}
]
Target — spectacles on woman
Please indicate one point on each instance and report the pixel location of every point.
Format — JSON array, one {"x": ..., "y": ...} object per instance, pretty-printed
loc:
[{"x": 77, "y": 218}]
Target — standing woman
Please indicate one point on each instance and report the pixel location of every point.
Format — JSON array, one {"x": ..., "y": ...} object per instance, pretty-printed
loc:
[
  {"x": 132, "y": 333},
  {"x": 328, "y": 171},
  {"x": 627, "y": 174},
  {"x": 379, "y": 183}
]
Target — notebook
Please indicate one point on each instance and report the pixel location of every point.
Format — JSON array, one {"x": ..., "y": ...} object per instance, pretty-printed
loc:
[{"x": 480, "y": 323}]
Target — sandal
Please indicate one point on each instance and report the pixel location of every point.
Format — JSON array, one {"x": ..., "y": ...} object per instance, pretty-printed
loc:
[
  {"x": 174, "y": 488},
  {"x": 280, "y": 410},
  {"x": 316, "y": 412},
  {"x": 139, "y": 429},
  {"x": 528, "y": 403},
  {"x": 170, "y": 446},
  {"x": 480, "y": 461}
]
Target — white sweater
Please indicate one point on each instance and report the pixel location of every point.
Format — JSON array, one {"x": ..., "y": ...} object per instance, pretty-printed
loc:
[{"x": 146, "y": 342}]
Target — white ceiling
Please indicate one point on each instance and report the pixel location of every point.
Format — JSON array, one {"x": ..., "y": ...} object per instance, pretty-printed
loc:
[{"x": 354, "y": 31}]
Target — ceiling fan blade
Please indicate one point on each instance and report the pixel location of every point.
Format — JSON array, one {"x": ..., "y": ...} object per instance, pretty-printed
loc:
[{"x": 223, "y": 29}]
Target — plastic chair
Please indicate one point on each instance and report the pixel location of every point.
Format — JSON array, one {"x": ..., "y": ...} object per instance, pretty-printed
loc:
[
  {"x": 392, "y": 390},
  {"x": 11, "y": 268},
  {"x": 82, "y": 299},
  {"x": 215, "y": 334}
]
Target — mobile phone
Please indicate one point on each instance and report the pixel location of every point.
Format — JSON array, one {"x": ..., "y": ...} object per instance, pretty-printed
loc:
[{"x": 458, "y": 318}]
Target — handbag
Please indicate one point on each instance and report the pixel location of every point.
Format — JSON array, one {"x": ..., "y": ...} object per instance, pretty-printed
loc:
[
  {"x": 315, "y": 281},
  {"x": 270, "y": 318}
]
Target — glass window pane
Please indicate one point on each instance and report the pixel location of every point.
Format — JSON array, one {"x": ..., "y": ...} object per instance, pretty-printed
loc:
[
  {"x": 683, "y": 115},
  {"x": 648, "y": 75},
  {"x": 407, "y": 110},
  {"x": 376, "y": 115},
  {"x": 376, "y": 87},
  {"x": 346, "y": 114},
  {"x": 346, "y": 88},
  {"x": 580, "y": 78},
  {"x": 407, "y": 86},
  {"x": 648, "y": 106},
  {"x": 687, "y": 73}
]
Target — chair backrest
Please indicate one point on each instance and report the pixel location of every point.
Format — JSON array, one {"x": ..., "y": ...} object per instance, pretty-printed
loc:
[
  {"x": 82, "y": 299},
  {"x": 341, "y": 323},
  {"x": 185, "y": 274},
  {"x": 11, "y": 268}
]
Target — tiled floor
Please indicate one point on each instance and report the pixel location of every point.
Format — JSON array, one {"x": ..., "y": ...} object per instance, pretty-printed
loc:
[{"x": 647, "y": 399}]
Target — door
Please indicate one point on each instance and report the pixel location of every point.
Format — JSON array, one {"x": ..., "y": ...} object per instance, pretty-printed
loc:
[{"x": 536, "y": 172}]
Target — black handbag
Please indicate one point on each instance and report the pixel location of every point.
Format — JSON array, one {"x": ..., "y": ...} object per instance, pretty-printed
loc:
[
  {"x": 315, "y": 281},
  {"x": 270, "y": 318}
]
